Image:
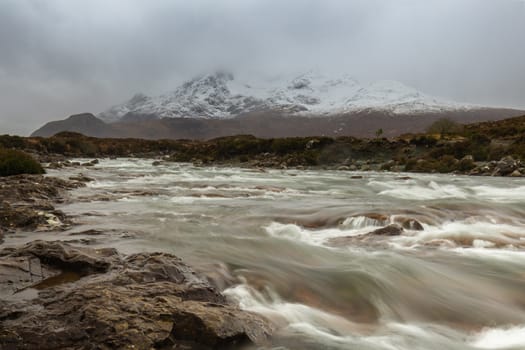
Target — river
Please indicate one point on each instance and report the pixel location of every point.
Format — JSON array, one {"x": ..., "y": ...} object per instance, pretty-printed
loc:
[{"x": 266, "y": 239}]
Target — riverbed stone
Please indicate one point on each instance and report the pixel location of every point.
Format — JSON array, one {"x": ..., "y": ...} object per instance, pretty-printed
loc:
[
  {"x": 505, "y": 166},
  {"x": 409, "y": 223},
  {"x": 516, "y": 173},
  {"x": 142, "y": 301},
  {"x": 81, "y": 178},
  {"x": 390, "y": 230},
  {"x": 376, "y": 237}
]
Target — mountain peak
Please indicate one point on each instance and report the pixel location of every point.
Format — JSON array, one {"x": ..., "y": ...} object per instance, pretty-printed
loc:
[{"x": 220, "y": 95}]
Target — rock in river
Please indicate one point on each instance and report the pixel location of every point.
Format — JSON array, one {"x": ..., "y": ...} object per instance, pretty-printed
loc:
[
  {"x": 56, "y": 296},
  {"x": 375, "y": 237}
]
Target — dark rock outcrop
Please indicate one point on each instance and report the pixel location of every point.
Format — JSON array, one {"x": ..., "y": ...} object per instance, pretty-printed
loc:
[
  {"x": 56, "y": 296},
  {"x": 390, "y": 230},
  {"x": 506, "y": 166},
  {"x": 27, "y": 202},
  {"x": 375, "y": 237}
]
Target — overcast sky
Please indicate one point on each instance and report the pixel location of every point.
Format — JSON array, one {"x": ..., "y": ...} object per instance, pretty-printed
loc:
[{"x": 60, "y": 57}]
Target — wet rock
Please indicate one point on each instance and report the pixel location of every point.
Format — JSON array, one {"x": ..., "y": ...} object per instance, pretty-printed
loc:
[
  {"x": 467, "y": 158},
  {"x": 87, "y": 233},
  {"x": 516, "y": 173},
  {"x": 377, "y": 217},
  {"x": 505, "y": 166},
  {"x": 267, "y": 188},
  {"x": 390, "y": 230},
  {"x": 27, "y": 202},
  {"x": 87, "y": 298},
  {"x": 55, "y": 165},
  {"x": 21, "y": 217},
  {"x": 356, "y": 177},
  {"x": 90, "y": 163},
  {"x": 409, "y": 224},
  {"x": 30, "y": 218},
  {"x": 30, "y": 188},
  {"x": 388, "y": 165},
  {"x": 81, "y": 178},
  {"x": 156, "y": 163},
  {"x": 376, "y": 237}
]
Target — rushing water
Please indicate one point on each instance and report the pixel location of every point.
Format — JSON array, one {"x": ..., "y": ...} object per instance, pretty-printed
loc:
[{"x": 263, "y": 237}]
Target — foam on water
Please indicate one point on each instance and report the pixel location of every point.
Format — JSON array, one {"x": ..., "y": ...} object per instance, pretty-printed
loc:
[
  {"x": 314, "y": 237},
  {"x": 335, "y": 332},
  {"x": 501, "y": 338},
  {"x": 499, "y": 194},
  {"x": 360, "y": 222},
  {"x": 415, "y": 191},
  {"x": 471, "y": 232},
  {"x": 505, "y": 255}
]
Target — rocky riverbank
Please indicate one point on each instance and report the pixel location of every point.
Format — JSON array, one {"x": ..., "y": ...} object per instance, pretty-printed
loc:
[
  {"x": 490, "y": 148},
  {"x": 54, "y": 295},
  {"x": 65, "y": 297},
  {"x": 27, "y": 203}
]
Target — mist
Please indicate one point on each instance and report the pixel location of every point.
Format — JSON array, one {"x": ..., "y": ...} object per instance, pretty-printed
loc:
[{"x": 60, "y": 57}]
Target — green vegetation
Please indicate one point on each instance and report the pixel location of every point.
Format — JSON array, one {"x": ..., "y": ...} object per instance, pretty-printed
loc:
[
  {"x": 13, "y": 162},
  {"x": 444, "y": 126}
]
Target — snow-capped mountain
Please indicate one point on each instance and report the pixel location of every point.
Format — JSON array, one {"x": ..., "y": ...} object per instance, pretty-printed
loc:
[{"x": 221, "y": 96}]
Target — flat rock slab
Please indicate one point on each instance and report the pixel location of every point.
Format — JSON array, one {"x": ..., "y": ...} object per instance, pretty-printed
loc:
[{"x": 98, "y": 299}]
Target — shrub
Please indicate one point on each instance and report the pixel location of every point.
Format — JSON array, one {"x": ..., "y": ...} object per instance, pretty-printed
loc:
[
  {"x": 423, "y": 140},
  {"x": 9, "y": 141},
  {"x": 466, "y": 164},
  {"x": 14, "y": 162},
  {"x": 444, "y": 126}
]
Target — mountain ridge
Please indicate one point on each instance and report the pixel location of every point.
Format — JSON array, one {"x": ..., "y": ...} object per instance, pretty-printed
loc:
[{"x": 221, "y": 96}]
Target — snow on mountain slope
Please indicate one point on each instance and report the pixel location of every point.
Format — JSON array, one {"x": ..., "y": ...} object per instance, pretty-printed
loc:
[{"x": 219, "y": 95}]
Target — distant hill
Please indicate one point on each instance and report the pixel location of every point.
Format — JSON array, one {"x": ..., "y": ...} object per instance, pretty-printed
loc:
[
  {"x": 85, "y": 123},
  {"x": 268, "y": 124}
]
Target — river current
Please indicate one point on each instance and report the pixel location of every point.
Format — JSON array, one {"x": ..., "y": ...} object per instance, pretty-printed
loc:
[{"x": 266, "y": 239}]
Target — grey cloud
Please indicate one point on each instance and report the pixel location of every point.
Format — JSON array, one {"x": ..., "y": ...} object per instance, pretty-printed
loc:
[{"x": 58, "y": 57}]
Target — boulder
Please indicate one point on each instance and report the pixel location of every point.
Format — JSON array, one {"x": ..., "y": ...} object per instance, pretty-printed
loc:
[
  {"x": 87, "y": 298},
  {"x": 390, "y": 230},
  {"x": 516, "y": 173},
  {"x": 371, "y": 238},
  {"x": 467, "y": 158},
  {"x": 505, "y": 166}
]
